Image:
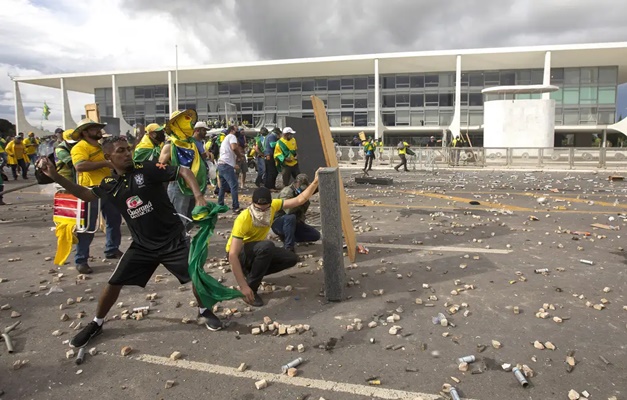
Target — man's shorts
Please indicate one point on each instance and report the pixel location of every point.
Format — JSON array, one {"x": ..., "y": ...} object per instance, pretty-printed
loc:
[
  {"x": 243, "y": 166},
  {"x": 137, "y": 265}
]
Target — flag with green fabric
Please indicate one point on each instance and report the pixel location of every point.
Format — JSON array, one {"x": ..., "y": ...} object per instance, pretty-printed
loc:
[
  {"x": 209, "y": 290},
  {"x": 283, "y": 153},
  {"x": 46, "y": 111},
  {"x": 184, "y": 153}
]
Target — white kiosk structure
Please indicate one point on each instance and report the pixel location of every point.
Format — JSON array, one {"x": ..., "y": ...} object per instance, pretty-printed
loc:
[{"x": 524, "y": 123}]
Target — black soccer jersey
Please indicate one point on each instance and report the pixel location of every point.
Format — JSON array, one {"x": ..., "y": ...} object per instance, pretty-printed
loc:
[{"x": 141, "y": 198}]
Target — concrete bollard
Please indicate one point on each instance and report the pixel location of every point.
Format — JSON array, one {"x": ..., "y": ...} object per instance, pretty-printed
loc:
[{"x": 332, "y": 239}]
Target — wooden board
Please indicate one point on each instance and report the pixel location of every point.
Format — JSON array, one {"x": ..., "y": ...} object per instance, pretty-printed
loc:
[
  {"x": 91, "y": 112},
  {"x": 328, "y": 148}
]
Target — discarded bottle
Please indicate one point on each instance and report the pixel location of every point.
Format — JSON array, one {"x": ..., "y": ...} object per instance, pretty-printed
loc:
[
  {"x": 541, "y": 271},
  {"x": 466, "y": 359},
  {"x": 454, "y": 394},
  {"x": 520, "y": 377},
  {"x": 586, "y": 262},
  {"x": 292, "y": 364},
  {"x": 80, "y": 357}
]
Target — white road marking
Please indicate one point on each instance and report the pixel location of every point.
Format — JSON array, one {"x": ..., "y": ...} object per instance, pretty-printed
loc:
[
  {"x": 370, "y": 391},
  {"x": 436, "y": 248}
]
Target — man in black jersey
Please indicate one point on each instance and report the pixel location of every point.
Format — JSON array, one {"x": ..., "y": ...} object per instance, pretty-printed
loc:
[{"x": 137, "y": 191}]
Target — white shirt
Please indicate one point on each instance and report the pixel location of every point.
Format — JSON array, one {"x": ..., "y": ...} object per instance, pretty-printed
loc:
[{"x": 227, "y": 155}]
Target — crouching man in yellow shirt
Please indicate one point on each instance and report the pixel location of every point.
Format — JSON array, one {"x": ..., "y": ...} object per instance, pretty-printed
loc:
[{"x": 252, "y": 256}]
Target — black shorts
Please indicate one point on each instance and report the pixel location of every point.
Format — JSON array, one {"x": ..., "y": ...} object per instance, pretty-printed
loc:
[{"x": 137, "y": 265}]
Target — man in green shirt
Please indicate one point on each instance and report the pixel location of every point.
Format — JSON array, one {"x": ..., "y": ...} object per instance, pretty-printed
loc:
[
  {"x": 259, "y": 158},
  {"x": 63, "y": 157}
]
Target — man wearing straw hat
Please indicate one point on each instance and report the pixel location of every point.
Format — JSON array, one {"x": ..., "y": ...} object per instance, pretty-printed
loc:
[
  {"x": 91, "y": 168},
  {"x": 183, "y": 151}
]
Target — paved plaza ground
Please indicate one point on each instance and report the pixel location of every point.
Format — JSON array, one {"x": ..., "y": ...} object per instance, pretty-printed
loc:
[{"x": 425, "y": 240}]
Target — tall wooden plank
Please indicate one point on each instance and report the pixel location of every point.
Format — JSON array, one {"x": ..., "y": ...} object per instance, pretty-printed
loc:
[{"x": 328, "y": 148}]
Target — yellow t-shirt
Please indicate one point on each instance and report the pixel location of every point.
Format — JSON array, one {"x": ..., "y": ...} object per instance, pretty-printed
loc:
[
  {"x": 84, "y": 151},
  {"x": 404, "y": 149},
  {"x": 243, "y": 226},
  {"x": 31, "y": 145}
]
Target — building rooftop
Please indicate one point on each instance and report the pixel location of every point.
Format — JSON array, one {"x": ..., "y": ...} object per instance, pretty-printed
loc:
[{"x": 505, "y": 58}]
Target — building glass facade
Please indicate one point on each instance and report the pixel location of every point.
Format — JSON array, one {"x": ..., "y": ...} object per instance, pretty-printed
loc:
[{"x": 587, "y": 96}]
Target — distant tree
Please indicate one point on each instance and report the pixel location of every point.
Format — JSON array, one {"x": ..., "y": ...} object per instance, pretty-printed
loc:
[{"x": 6, "y": 128}]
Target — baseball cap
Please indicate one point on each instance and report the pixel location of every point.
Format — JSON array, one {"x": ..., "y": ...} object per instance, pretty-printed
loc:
[
  {"x": 154, "y": 128},
  {"x": 68, "y": 136},
  {"x": 200, "y": 125},
  {"x": 287, "y": 129},
  {"x": 262, "y": 196}
]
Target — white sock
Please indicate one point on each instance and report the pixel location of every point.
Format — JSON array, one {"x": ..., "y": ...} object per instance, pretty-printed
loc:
[
  {"x": 201, "y": 310},
  {"x": 99, "y": 321}
]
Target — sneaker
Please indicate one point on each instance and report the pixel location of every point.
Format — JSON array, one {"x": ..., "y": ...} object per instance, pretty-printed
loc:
[
  {"x": 116, "y": 254},
  {"x": 396, "y": 168},
  {"x": 237, "y": 211},
  {"x": 258, "y": 302},
  {"x": 292, "y": 249},
  {"x": 91, "y": 330},
  {"x": 84, "y": 268},
  {"x": 211, "y": 321}
]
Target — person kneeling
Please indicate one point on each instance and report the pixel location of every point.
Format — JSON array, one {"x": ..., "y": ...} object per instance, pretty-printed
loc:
[
  {"x": 137, "y": 191},
  {"x": 289, "y": 223},
  {"x": 250, "y": 255}
]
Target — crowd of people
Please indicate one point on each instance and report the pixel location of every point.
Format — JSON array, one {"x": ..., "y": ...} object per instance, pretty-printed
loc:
[{"x": 157, "y": 186}]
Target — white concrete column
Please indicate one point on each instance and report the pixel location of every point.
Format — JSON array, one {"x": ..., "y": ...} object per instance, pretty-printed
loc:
[
  {"x": 116, "y": 96},
  {"x": 171, "y": 96},
  {"x": 125, "y": 127},
  {"x": 455, "y": 126},
  {"x": 67, "y": 121},
  {"x": 547, "y": 74},
  {"x": 19, "y": 108},
  {"x": 21, "y": 124},
  {"x": 378, "y": 133}
]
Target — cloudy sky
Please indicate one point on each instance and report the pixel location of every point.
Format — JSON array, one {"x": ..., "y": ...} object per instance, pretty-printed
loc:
[{"x": 57, "y": 36}]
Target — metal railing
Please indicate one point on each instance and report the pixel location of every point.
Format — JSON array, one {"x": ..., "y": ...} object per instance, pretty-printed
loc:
[{"x": 430, "y": 158}]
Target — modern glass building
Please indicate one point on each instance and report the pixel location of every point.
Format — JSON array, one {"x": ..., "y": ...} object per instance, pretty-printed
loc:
[{"x": 410, "y": 95}]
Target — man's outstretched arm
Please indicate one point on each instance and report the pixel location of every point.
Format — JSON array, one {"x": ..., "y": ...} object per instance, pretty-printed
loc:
[{"x": 79, "y": 191}]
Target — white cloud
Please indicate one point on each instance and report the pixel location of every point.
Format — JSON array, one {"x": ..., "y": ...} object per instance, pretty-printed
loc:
[{"x": 44, "y": 37}]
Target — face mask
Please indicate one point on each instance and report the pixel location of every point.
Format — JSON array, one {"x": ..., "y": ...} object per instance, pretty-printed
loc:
[{"x": 260, "y": 218}]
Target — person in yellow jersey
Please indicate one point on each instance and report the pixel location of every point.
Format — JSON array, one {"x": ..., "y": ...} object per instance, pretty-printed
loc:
[
  {"x": 402, "y": 148},
  {"x": 63, "y": 156},
  {"x": 150, "y": 145},
  {"x": 92, "y": 167},
  {"x": 252, "y": 256},
  {"x": 16, "y": 157},
  {"x": 369, "y": 148},
  {"x": 286, "y": 156},
  {"x": 31, "y": 143}
]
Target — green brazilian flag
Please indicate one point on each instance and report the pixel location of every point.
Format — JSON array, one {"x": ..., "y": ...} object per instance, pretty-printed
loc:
[{"x": 208, "y": 288}]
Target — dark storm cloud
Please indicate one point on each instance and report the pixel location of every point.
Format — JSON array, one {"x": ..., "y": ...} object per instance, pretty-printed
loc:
[{"x": 303, "y": 28}]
